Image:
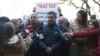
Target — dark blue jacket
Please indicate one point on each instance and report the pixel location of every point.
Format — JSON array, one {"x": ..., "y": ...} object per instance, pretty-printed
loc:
[{"x": 52, "y": 37}]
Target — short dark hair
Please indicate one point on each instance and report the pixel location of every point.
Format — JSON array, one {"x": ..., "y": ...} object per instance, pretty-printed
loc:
[
  {"x": 4, "y": 19},
  {"x": 52, "y": 12}
]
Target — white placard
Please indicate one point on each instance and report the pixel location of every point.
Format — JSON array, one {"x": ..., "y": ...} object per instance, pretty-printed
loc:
[{"x": 43, "y": 8}]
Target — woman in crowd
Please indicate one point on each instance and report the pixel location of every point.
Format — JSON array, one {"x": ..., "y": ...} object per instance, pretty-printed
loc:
[
  {"x": 16, "y": 24},
  {"x": 22, "y": 26},
  {"x": 93, "y": 41},
  {"x": 11, "y": 44},
  {"x": 79, "y": 45},
  {"x": 94, "y": 37}
]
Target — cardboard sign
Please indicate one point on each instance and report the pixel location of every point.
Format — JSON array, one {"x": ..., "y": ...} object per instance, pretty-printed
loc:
[{"x": 42, "y": 10}]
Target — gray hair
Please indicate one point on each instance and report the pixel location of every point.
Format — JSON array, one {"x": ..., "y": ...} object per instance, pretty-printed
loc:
[
  {"x": 14, "y": 21},
  {"x": 62, "y": 18}
]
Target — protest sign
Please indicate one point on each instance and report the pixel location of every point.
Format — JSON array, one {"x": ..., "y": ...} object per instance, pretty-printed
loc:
[{"x": 43, "y": 8}]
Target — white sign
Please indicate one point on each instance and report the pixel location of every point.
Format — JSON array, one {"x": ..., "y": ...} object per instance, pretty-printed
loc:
[{"x": 42, "y": 10}]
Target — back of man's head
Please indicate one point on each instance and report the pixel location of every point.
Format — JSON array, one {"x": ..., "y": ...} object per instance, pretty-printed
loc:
[{"x": 3, "y": 20}]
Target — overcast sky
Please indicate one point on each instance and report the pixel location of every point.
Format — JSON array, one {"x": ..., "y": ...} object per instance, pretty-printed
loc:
[{"x": 18, "y": 8}]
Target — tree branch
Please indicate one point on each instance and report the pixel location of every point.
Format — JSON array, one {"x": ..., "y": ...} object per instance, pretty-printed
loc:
[
  {"x": 75, "y": 5},
  {"x": 88, "y": 9},
  {"x": 98, "y": 4}
]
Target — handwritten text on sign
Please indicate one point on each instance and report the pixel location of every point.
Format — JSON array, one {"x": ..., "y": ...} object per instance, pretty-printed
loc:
[{"x": 47, "y": 5}]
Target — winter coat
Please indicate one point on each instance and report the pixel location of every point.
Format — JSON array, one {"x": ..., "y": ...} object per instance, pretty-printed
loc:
[
  {"x": 79, "y": 46},
  {"x": 16, "y": 49},
  {"x": 92, "y": 33}
]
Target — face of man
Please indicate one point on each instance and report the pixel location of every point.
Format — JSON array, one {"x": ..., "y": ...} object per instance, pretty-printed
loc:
[
  {"x": 51, "y": 19},
  {"x": 33, "y": 19}
]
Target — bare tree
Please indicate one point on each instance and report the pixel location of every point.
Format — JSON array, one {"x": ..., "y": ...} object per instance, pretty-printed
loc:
[
  {"x": 97, "y": 4},
  {"x": 85, "y": 3},
  {"x": 74, "y": 4}
]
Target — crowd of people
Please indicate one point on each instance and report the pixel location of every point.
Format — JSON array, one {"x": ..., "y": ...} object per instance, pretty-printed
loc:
[{"x": 58, "y": 37}]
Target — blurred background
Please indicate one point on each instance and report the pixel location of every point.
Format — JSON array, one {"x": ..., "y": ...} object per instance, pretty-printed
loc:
[{"x": 20, "y": 8}]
